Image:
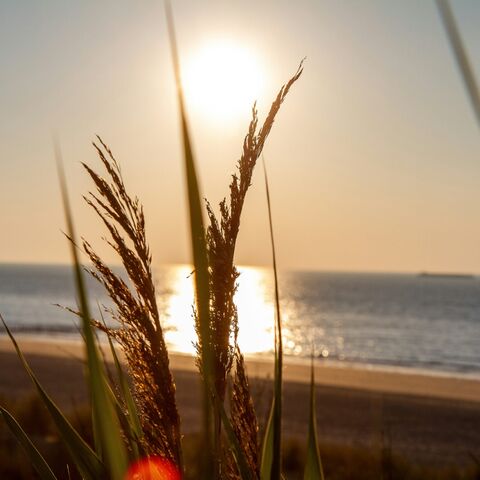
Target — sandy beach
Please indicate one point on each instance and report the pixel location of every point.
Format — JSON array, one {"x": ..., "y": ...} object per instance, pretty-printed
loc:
[{"x": 425, "y": 418}]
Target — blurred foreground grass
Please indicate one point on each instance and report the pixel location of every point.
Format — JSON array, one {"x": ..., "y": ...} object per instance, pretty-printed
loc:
[{"x": 344, "y": 462}]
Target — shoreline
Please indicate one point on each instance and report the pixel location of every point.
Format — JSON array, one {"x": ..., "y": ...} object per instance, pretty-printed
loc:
[
  {"x": 373, "y": 378},
  {"x": 62, "y": 338}
]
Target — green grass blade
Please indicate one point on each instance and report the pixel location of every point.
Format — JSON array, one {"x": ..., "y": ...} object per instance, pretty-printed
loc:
[
  {"x": 133, "y": 420},
  {"x": 130, "y": 421},
  {"x": 87, "y": 462},
  {"x": 243, "y": 468},
  {"x": 97, "y": 438},
  {"x": 36, "y": 459},
  {"x": 127, "y": 394},
  {"x": 131, "y": 438},
  {"x": 199, "y": 250},
  {"x": 460, "y": 54},
  {"x": 276, "y": 424},
  {"x": 267, "y": 447},
  {"x": 107, "y": 423},
  {"x": 202, "y": 293},
  {"x": 313, "y": 466}
]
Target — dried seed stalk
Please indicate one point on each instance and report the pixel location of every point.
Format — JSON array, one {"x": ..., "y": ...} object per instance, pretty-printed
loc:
[
  {"x": 140, "y": 333},
  {"x": 221, "y": 241}
]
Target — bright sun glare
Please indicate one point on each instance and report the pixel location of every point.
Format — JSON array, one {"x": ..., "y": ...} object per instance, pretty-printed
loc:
[
  {"x": 252, "y": 303},
  {"x": 222, "y": 80}
]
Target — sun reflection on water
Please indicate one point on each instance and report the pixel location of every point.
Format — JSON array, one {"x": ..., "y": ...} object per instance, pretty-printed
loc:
[{"x": 255, "y": 311}]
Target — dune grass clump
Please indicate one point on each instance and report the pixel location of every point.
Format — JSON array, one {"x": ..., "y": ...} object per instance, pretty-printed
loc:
[
  {"x": 137, "y": 427},
  {"x": 139, "y": 331}
]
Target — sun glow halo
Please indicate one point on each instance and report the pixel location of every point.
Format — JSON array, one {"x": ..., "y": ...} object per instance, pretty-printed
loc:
[{"x": 222, "y": 80}]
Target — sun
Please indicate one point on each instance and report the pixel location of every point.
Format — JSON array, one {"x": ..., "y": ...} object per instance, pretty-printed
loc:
[{"x": 221, "y": 80}]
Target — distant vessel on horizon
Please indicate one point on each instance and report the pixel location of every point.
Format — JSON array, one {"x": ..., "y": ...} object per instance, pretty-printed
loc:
[{"x": 460, "y": 276}]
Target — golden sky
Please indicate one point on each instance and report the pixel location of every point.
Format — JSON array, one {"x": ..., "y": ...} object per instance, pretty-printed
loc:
[{"x": 373, "y": 160}]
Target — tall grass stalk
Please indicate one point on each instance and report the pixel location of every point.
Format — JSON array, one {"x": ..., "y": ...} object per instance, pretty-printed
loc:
[
  {"x": 272, "y": 464},
  {"x": 222, "y": 236},
  {"x": 460, "y": 54},
  {"x": 313, "y": 464},
  {"x": 199, "y": 253},
  {"x": 106, "y": 422}
]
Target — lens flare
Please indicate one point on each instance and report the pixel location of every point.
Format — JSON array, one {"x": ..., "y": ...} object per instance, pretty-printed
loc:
[{"x": 153, "y": 468}]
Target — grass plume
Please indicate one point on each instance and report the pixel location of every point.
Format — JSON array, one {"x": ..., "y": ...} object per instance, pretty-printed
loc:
[
  {"x": 140, "y": 333},
  {"x": 222, "y": 233},
  {"x": 222, "y": 236}
]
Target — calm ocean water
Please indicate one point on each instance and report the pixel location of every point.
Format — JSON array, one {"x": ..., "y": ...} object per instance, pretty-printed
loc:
[{"x": 376, "y": 319}]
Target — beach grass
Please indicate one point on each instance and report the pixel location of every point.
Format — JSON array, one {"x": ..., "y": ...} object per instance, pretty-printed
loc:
[{"x": 139, "y": 423}]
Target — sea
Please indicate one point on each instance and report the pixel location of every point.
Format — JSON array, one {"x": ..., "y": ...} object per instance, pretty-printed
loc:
[{"x": 408, "y": 322}]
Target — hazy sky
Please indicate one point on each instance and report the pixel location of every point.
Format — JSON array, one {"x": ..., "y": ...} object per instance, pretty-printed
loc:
[{"x": 373, "y": 161}]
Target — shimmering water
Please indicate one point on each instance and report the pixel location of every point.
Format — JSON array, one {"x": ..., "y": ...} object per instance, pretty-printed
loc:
[{"x": 376, "y": 319}]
